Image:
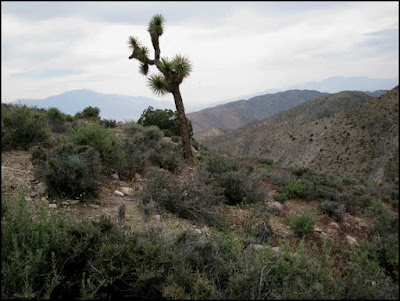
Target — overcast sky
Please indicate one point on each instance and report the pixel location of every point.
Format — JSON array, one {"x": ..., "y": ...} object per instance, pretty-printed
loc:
[{"x": 236, "y": 48}]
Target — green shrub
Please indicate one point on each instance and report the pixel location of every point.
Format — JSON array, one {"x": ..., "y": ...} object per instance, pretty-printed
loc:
[
  {"x": 108, "y": 123},
  {"x": 101, "y": 139},
  {"x": 132, "y": 128},
  {"x": 215, "y": 163},
  {"x": 134, "y": 162},
  {"x": 23, "y": 127},
  {"x": 89, "y": 113},
  {"x": 69, "y": 171},
  {"x": 166, "y": 120},
  {"x": 295, "y": 189},
  {"x": 192, "y": 199},
  {"x": 164, "y": 155},
  {"x": 333, "y": 209},
  {"x": 302, "y": 223}
]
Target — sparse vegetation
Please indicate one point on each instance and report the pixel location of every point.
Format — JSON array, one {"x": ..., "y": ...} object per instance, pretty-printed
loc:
[{"x": 207, "y": 229}]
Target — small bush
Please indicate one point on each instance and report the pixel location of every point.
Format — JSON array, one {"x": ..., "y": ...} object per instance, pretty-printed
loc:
[
  {"x": 333, "y": 209},
  {"x": 69, "y": 171},
  {"x": 164, "y": 155},
  {"x": 134, "y": 162},
  {"x": 101, "y": 139},
  {"x": 193, "y": 200},
  {"x": 23, "y": 127},
  {"x": 132, "y": 128},
  {"x": 89, "y": 113},
  {"x": 295, "y": 189},
  {"x": 302, "y": 223},
  {"x": 108, "y": 123},
  {"x": 215, "y": 163}
]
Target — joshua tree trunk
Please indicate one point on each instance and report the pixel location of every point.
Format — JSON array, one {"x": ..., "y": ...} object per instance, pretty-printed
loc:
[{"x": 183, "y": 124}]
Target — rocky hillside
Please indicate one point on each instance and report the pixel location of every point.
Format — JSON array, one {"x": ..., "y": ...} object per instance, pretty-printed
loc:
[
  {"x": 236, "y": 114},
  {"x": 348, "y": 134}
]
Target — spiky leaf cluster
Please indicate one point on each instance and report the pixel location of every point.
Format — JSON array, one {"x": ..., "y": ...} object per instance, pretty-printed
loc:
[
  {"x": 181, "y": 66},
  {"x": 158, "y": 84},
  {"x": 156, "y": 25}
]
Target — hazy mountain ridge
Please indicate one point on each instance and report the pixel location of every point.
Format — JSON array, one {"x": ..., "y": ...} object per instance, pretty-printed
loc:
[
  {"x": 236, "y": 114},
  {"x": 348, "y": 134},
  {"x": 112, "y": 106}
]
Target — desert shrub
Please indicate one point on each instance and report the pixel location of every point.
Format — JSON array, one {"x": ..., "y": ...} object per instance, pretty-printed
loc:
[
  {"x": 280, "y": 197},
  {"x": 101, "y": 139},
  {"x": 281, "y": 178},
  {"x": 164, "y": 155},
  {"x": 152, "y": 132},
  {"x": 166, "y": 120},
  {"x": 176, "y": 139},
  {"x": 215, "y": 163},
  {"x": 89, "y": 113},
  {"x": 57, "y": 120},
  {"x": 134, "y": 162},
  {"x": 192, "y": 199},
  {"x": 302, "y": 223},
  {"x": 132, "y": 128},
  {"x": 295, "y": 189},
  {"x": 108, "y": 123},
  {"x": 333, "y": 209},
  {"x": 354, "y": 203},
  {"x": 69, "y": 171},
  {"x": 23, "y": 127},
  {"x": 240, "y": 186}
]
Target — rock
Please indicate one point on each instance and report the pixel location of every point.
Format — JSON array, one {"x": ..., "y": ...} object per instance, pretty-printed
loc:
[
  {"x": 118, "y": 193},
  {"x": 351, "y": 240},
  {"x": 43, "y": 199},
  {"x": 137, "y": 176},
  {"x": 33, "y": 194},
  {"x": 126, "y": 190},
  {"x": 65, "y": 203},
  {"x": 115, "y": 176},
  {"x": 73, "y": 202},
  {"x": 52, "y": 206},
  {"x": 257, "y": 247},
  {"x": 275, "y": 208},
  {"x": 27, "y": 198},
  {"x": 334, "y": 225},
  {"x": 275, "y": 249},
  {"x": 206, "y": 231},
  {"x": 317, "y": 229},
  {"x": 198, "y": 231},
  {"x": 41, "y": 188},
  {"x": 157, "y": 217},
  {"x": 94, "y": 206}
]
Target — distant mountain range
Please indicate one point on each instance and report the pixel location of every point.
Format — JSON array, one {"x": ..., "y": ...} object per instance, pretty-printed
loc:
[
  {"x": 112, "y": 106},
  {"x": 236, "y": 114},
  {"x": 350, "y": 134}
]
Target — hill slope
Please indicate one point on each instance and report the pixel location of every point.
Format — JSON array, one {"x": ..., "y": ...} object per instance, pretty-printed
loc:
[
  {"x": 236, "y": 114},
  {"x": 112, "y": 106},
  {"x": 348, "y": 134}
]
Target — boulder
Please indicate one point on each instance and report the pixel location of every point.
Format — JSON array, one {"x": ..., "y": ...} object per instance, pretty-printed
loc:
[
  {"x": 334, "y": 225},
  {"x": 52, "y": 206},
  {"x": 126, "y": 190},
  {"x": 94, "y": 206},
  {"x": 115, "y": 176},
  {"x": 275, "y": 208},
  {"x": 351, "y": 240},
  {"x": 257, "y": 247},
  {"x": 118, "y": 193},
  {"x": 73, "y": 202}
]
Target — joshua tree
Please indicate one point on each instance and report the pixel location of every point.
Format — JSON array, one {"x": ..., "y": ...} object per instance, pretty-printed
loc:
[{"x": 172, "y": 74}]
